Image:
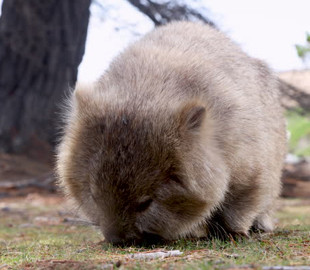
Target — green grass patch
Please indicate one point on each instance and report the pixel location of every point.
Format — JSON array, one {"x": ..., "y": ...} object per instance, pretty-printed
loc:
[{"x": 299, "y": 128}]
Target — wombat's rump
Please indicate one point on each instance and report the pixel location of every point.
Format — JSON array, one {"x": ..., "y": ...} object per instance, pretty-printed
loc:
[{"x": 182, "y": 128}]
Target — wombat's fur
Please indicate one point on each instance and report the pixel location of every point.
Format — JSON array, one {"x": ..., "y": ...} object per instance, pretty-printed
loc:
[{"x": 183, "y": 127}]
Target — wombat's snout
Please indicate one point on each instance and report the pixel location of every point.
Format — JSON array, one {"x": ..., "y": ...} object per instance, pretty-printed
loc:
[
  {"x": 121, "y": 238},
  {"x": 151, "y": 238}
]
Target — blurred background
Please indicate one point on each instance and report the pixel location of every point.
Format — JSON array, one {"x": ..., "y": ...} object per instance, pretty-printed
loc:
[{"x": 46, "y": 46}]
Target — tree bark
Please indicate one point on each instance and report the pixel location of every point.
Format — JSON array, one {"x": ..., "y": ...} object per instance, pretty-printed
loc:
[{"x": 41, "y": 45}]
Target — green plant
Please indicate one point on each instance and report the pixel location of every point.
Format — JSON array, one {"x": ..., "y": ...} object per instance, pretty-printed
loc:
[
  {"x": 303, "y": 51},
  {"x": 298, "y": 125}
]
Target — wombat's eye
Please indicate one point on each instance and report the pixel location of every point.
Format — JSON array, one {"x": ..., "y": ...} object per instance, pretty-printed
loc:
[
  {"x": 144, "y": 205},
  {"x": 101, "y": 128},
  {"x": 176, "y": 179}
]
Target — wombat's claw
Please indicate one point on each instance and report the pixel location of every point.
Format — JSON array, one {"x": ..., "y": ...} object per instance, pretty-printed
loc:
[{"x": 238, "y": 235}]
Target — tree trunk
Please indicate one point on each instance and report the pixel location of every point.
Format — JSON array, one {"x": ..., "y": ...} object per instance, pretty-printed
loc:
[{"x": 41, "y": 45}]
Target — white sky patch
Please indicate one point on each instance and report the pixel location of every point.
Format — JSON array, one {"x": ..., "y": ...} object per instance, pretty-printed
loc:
[{"x": 266, "y": 29}]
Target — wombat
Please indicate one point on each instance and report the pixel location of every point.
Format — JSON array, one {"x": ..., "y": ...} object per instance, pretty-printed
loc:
[{"x": 183, "y": 131}]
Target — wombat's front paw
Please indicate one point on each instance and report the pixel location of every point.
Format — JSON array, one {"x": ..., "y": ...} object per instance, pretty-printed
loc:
[
  {"x": 263, "y": 223},
  {"x": 218, "y": 228},
  {"x": 239, "y": 235}
]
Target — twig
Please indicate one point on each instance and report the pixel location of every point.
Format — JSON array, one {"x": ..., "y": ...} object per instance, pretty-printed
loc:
[
  {"x": 155, "y": 255},
  {"x": 286, "y": 267}
]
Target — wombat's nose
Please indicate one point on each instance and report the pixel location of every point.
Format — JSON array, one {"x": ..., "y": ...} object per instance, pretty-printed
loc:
[
  {"x": 118, "y": 241},
  {"x": 120, "y": 237},
  {"x": 151, "y": 238},
  {"x": 114, "y": 239},
  {"x": 113, "y": 235}
]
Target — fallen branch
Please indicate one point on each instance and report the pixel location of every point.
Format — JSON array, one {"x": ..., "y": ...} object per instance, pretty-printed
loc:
[
  {"x": 296, "y": 180},
  {"x": 46, "y": 182},
  {"x": 296, "y": 94},
  {"x": 162, "y": 13}
]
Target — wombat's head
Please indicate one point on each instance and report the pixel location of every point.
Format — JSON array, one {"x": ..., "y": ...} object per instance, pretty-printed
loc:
[{"x": 138, "y": 172}]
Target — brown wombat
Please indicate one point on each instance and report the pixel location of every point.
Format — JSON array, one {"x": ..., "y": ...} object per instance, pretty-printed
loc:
[{"x": 182, "y": 129}]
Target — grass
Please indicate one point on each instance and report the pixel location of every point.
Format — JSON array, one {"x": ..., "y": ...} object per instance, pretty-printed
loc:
[
  {"x": 29, "y": 242},
  {"x": 299, "y": 128}
]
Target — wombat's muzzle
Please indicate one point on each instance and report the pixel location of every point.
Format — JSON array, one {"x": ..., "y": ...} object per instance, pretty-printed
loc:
[{"x": 144, "y": 239}]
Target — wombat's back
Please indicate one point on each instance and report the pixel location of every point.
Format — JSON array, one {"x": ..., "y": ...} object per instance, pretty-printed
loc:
[{"x": 191, "y": 60}]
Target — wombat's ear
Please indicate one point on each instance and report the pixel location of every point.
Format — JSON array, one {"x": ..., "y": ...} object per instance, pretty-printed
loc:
[{"x": 192, "y": 116}]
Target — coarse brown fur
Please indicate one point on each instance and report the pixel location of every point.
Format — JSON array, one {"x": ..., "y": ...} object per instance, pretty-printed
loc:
[{"x": 182, "y": 127}]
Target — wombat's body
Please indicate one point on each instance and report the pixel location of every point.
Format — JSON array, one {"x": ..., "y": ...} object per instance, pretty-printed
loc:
[{"x": 183, "y": 127}]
